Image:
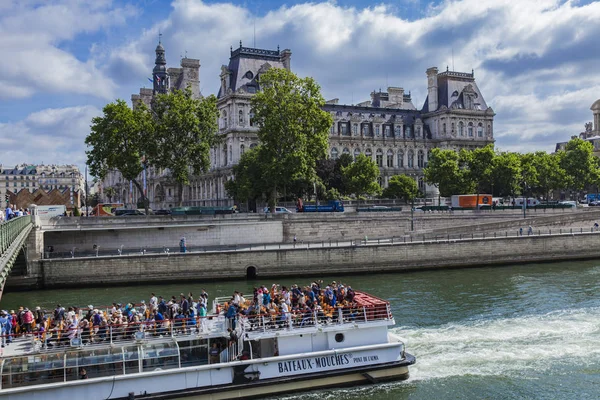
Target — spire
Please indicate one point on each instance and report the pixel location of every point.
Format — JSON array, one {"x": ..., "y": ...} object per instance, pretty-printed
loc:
[{"x": 159, "y": 72}]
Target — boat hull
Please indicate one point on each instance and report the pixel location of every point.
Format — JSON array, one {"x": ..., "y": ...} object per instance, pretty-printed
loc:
[{"x": 339, "y": 378}]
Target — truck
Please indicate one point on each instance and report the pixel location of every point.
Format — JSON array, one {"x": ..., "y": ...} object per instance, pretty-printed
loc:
[
  {"x": 470, "y": 200},
  {"x": 530, "y": 201},
  {"x": 106, "y": 209},
  {"x": 330, "y": 206}
]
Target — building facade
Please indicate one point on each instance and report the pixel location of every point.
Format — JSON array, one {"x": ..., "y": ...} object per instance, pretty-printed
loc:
[
  {"x": 388, "y": 127},
  {"x": 591, "y": 132},
  {"x": 27, "y": 184}
]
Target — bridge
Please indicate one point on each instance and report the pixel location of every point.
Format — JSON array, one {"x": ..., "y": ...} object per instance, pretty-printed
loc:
[{"x": 13, "y": 235}]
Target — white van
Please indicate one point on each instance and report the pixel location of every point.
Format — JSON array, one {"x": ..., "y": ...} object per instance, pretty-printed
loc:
[{"x": 278, "y": 210}]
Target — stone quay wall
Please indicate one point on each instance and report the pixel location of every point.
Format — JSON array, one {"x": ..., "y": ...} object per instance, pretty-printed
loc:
[
  {"x": 314, "y": 261},
  {"x": 155, "y": 232}
]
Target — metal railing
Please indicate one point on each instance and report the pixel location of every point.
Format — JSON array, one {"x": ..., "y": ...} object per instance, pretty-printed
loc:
[{"x": 13, "y": 234}]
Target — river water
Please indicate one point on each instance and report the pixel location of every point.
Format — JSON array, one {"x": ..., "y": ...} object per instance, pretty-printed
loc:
[{"x": 515, "y": 332}]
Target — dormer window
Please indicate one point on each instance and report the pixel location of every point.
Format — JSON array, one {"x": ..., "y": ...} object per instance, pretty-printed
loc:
[{"x": 249, "y": 75}]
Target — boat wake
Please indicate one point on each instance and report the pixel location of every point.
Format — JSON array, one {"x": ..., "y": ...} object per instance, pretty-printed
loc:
[{"x": 507, "y": 346}]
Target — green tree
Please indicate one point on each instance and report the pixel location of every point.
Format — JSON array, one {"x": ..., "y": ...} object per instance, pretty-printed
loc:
[
  {"x": 249, "y": 183},
  {"x": 117, "y": 141},
  {"x": 443, "y": 171},
  {"x": 292, "y": 128},
  {"x": 551, "y": 175},
  {"x": 110, "y": 192},
  {"x": 478, "y": 171},
  {"x": 506, "y": 174},
  {"x": 360, "y": 177},
  {"x": 184, "y": 131},
  {"x": 579, "y": 164},
  {"x": 401, "y": 187}
]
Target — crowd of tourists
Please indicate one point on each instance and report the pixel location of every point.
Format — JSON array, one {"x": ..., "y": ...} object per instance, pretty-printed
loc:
[
  {"x": 280, "y": 306},
  {"x": 61, "y": 325},
  {"x": 274, "y": 307}
]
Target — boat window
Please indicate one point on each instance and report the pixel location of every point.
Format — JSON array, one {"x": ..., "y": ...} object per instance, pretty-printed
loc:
[
  {"x": 193, "y": 352},
  {"x": 32, "y": 370},
  {"x": 96, "y": 362},
  {"x": 339, "y": 337},
  {"x": 160, "y": 356}
]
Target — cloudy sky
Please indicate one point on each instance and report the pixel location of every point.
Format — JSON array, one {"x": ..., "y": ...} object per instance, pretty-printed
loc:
[{"x": 537, "y": 62}]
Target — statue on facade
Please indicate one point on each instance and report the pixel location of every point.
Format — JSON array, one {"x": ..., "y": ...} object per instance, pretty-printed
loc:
[{"x": 589, "y": 127}]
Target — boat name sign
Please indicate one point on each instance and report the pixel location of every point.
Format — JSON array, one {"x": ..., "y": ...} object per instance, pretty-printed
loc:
[{"x": 320, "y": 363}]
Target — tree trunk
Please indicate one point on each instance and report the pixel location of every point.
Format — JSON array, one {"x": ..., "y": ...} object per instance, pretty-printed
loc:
[
  {"x": 180, "y": 193},
  {"x": 273, "y": 200},
  {"x": 144, "y": 198}
]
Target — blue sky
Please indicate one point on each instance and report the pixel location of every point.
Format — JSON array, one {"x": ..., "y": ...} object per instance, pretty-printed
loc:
[{"x": 536, "y": 61}]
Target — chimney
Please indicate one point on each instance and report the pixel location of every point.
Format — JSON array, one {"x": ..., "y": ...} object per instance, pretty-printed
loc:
[
  {"x": 286, "y": 56},
  {"x": 432, "y": 88}
]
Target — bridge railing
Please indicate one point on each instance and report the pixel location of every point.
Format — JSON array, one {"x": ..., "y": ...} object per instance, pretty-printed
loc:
[
  {"x": 10, "y": 230},
  {"x": 13, "y": 234}
]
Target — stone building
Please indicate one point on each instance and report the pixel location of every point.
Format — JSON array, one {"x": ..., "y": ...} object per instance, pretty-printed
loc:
[
  {"x": 54, "y": 184},
  {"x": 591, "y": 132},
  {"x": 161, "y": 190},
  {"x": 388, "y": 128}
]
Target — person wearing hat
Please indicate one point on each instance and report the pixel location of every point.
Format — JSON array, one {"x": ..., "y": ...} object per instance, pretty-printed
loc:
[
  {"x": 39, "y": 316},
  {"x": 27, "y": 320}
]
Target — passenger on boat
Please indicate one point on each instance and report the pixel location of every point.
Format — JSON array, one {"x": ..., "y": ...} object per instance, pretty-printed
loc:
[{"x": 214, "y": 353}]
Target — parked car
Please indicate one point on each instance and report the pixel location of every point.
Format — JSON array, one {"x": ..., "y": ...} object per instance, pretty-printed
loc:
[
  {"x": 128, "y": 213},
  {"x": 278, "y": 210},
  {"x": 162, "y": 212}
]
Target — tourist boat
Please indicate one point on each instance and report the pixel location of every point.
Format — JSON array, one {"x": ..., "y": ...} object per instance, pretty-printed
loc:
[{"x": 272, "y": 355}]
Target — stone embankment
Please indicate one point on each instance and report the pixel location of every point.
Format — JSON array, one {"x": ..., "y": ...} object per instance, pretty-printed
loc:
[
  {"x": 80, "y": 235},
  {"x": 408, "y": 256}
]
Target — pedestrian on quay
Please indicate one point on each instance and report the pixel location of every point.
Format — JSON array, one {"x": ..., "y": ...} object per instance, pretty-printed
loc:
[
  {"x": 182, "y": 245},
  {"x": 530, "y": 230}
]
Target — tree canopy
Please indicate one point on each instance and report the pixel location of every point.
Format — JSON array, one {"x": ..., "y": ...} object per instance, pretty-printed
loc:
[
  {"x": 117, "y": 141},
  {"x": 184, "y": 131},
  {"x": 360, "y": 177},
  {"x": 292, "y": 128},
  {"x": 401, "y": 187}
]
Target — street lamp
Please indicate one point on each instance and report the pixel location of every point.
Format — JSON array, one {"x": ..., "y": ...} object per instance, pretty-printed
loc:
[{"x": 524, "y": 199}]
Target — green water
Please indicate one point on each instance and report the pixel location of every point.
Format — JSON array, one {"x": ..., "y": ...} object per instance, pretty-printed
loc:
[{"x": 516, "y": 332}]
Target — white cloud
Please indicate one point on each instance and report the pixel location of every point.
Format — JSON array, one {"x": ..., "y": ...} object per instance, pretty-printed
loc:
[
  {"x": 33, "y": 33},
  {"x": 54, "y": 135},
  {"x": 535, "y": 61}
]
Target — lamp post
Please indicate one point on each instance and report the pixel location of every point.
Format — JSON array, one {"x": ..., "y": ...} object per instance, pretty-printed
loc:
[
  {"x": 87, "y": 213},
  {"x": 524, "y": 199}
]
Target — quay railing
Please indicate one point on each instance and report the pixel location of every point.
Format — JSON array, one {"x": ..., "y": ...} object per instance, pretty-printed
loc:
[{"x": 307, "y": 245}]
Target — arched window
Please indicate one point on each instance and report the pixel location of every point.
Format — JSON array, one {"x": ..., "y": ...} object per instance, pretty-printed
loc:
[
  {"x": 356, "y": 153},
  {"x": 379, "y": 157},
  {"x": 411, "y": 159},
  {"x": 380, "y": 181},
  {"x": 368, "y": 153},
  {"x": 390, "y": 158},
  {"x": 461, "y": 129},
  {"x": 470, "y": 129},
  {"x": 377, "y": 130},
  {"x": 241, "y": 117},
  {"x": 444, "y": 128},
  {"x": 242, "y": 149},
  {"x": 230, "y": 154},
  {"x": 332, "y": 129},
  {"x": 400, "y": 163},
  {"x": 253, "y": 145},
  {"x": 421, "y": 184},
  {"x": 224, "y": 119},
  {"x": 345, "y": 151},
  {"x": 225, "y": 155},
  {"x": 408, "y": 132},
  {"x": 420, "y": 159},
  {"x": 334, "y": 153},
  {"x": 480, "y": 130},
  {"x": 251, "y": 118},
  {"x": 355, "y": 129}
]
